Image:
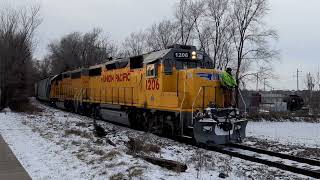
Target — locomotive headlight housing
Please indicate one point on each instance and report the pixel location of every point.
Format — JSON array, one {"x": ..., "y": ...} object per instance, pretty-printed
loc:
[{"x": 194, "y": 55}]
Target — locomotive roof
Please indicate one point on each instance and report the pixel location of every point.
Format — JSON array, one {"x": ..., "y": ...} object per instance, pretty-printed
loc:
[
  {"x": 118, "y": 60},
  {"x": 156, "y": 55},
  {"x": 96, "y": 66},
  {"x": 149, "y": 58}
]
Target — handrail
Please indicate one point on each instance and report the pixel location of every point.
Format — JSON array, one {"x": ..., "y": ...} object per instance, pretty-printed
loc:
[
  {"x": 184, "y": 96},
  {"x": 194, "y": 103},
  {"x": 244, "y": 103}
]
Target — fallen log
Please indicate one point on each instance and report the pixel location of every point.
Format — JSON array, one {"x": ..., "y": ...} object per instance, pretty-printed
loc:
[
  {"x": 110, "y": 142},
  {"x": 169, "y": 164}
]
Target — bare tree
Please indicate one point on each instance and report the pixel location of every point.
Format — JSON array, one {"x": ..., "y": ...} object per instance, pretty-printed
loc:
[
  {"x": 203, "y": 34},
  {"x": 187, "y": 14},
  {"x": 249, "y": 35},
  {"x": 218, "y": 13},
  {"x": 310, "y": 83},
  {"x": 135, "y": 44},
  {"x": 17, "y": 27},
  {"x": 42, "y": 68},
  {"x": 77, "y": 50},
  {"x": 161, "y": 35}
]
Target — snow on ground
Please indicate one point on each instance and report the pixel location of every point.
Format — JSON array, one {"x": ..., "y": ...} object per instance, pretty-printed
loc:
[
  {"x": 295, "y": 133},
  {"x": 53, "y": 144}
]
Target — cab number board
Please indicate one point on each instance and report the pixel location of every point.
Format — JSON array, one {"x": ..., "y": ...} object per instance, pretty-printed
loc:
[{"x": 181, "y": 55}]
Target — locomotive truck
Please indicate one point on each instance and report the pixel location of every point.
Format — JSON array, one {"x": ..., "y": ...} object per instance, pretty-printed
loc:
[{"x": 175, "y": 92}]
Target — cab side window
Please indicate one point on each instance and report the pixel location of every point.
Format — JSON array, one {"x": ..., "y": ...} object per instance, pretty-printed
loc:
[{"x": 151, "y": 70}]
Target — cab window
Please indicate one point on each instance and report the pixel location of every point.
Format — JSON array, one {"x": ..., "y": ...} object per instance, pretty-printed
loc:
[
  {"x": 95, "y": 72},
  {"x": 151, "y": 70}
]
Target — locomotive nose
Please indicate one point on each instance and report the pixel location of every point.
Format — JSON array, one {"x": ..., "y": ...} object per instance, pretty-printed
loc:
[
  {"x": 226, "y": 126},
  {"x": 219, "y": 126}
]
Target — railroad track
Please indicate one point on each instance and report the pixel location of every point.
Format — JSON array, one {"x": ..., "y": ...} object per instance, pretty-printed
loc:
[{"x": 307, "y": 167}]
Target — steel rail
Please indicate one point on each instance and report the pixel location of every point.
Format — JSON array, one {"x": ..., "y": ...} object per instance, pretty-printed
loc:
[
  {"x": 302, "y": 171},
  {"x": 276, "y": 154}
]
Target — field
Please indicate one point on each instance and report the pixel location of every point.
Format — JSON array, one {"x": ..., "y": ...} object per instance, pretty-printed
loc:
[{"x": 53, "y": 144}]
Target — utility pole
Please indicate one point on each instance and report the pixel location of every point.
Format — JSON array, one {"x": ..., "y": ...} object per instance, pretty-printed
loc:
[
  {"x": 257, "y": 85},
  {"x": 298, "y": 79},
  {"x": 318, "y": 79},
  {"x": 264, "y": 84}
]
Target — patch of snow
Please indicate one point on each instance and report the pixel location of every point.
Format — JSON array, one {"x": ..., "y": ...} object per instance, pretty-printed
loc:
[
  {"x": 300, "y": 133},
  {"x": 59, "y": 145}
]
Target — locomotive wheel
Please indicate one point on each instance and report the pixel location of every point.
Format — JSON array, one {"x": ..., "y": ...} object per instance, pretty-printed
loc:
[
  {"x": 167, "y": 131},
  {"x": 80, "y": 110},
  {"x": 87, "y": 110},
  {"x": 95, "y": 112},
  {"x": 140, "y": 121},
  {"x": 146, "y": 124},
  {"x": 132, "y": 119}
]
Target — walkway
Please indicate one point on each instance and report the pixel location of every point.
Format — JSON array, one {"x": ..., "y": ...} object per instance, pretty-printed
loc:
[{"x": 10, "y": 167}]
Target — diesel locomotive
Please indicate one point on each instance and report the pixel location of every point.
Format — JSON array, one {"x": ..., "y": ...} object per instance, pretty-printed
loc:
[{"x": 175, "y": 92}]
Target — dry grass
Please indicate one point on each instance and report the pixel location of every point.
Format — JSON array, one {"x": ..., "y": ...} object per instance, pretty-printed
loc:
[
  {"x": 284, "y": 116},
  {"x": 81, "y": 156},
  {"x": 112, "y": 165},
  {"x": 99, "y": 152},
  {"x": 77, "y": 132},
  {"x": 25, "y": 107},
  {"x": 118, "y": 176},
  {"x": 110, "y": 155},
  {"x": 137, "y": 145},
  {"x": 81, "y": 124},
  {"x": 24, "y": 122},
  {"x": 134, "y": 172},
  {"x": 75, "y": 143}
]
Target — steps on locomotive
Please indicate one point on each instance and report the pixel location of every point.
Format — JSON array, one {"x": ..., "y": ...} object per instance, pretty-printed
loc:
[{"x": 188, "y": 132}]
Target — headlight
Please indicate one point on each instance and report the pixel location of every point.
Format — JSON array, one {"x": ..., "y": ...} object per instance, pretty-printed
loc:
[{"x": 194, "y": 55}]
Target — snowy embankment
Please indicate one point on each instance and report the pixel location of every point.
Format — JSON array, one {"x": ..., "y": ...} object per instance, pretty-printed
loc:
[
  {"x": 294, "y": 133},
  {"x": 53, "y": 144}
]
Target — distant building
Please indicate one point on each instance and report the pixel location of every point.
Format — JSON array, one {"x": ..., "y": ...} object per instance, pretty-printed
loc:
[
  {"x": 264, "y": 102},
  {"x": 272, "y": 103}
]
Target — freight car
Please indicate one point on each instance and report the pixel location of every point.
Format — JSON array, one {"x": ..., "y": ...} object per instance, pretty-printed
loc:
[
  {"x": 42, "y": 89},
  {"x": 174, "y": 92}
]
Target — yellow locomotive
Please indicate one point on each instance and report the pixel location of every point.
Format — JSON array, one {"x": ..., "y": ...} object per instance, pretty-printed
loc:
[{"x": 174, "y": 92}]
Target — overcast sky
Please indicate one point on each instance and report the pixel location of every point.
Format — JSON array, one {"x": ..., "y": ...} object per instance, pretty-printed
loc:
[{"x": 296, "y": 21}]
